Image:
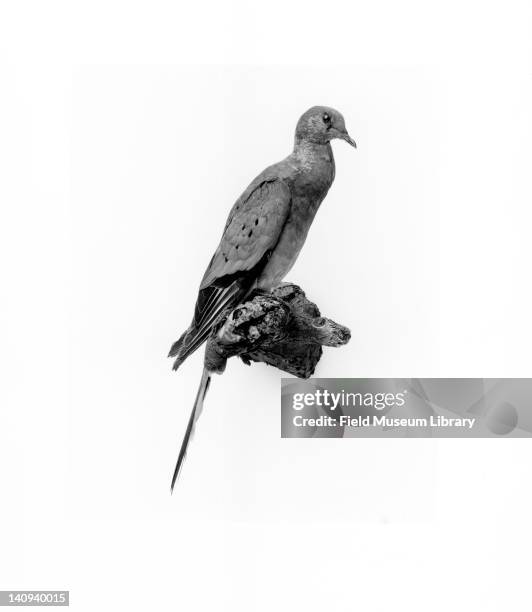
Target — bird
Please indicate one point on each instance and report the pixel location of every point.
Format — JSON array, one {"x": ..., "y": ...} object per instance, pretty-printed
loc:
[{"x": 263, "y": 235}]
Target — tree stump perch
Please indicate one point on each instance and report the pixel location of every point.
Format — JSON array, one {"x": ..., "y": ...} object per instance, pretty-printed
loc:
[{"x": 281, "y": 328}]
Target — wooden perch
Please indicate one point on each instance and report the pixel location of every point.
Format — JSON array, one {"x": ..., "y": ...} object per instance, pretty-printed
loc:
[{"x": 281, "y": 328}]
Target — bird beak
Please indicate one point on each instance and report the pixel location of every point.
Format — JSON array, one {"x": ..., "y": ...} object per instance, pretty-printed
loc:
[{"x": 345, "y": 136}]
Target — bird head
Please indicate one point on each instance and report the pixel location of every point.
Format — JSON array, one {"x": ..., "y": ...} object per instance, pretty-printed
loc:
[{"x": 320, "y": 125}]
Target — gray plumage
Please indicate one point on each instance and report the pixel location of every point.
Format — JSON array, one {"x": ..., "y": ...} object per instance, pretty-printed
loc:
[{"x": 264, "y": 232}]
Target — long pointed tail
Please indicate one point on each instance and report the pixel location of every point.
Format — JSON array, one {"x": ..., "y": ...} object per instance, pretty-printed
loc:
[{"x": 194, "y": 416}]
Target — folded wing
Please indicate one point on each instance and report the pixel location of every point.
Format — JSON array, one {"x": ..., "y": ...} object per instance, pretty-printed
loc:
[{"x": 253, "y": 228}]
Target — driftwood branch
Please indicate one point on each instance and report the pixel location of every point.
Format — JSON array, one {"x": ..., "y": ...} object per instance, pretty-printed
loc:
[{"x": 282, "y": 328}]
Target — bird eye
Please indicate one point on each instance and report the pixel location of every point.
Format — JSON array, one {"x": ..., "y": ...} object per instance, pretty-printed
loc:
[{"x": 326, "y": 118}]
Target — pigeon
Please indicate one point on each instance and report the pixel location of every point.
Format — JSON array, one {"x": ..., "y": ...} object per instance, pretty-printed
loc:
[{"x": 263, "y": 236}]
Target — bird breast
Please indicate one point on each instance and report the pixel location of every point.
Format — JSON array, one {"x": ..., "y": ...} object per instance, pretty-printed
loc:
[
  {"x": 309, "y": 172},
  {"x": 305, "y": 203}
]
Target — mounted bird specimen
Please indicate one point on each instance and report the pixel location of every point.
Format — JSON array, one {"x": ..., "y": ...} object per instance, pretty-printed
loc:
[{"x": 262, "y": 238}]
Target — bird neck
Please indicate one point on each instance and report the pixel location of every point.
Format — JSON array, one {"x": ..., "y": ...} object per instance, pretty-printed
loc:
[{"x": 309, "y": 153}]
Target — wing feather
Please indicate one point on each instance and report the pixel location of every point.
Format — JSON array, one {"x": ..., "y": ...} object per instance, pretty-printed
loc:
[
  {"x": 254, "y": 227},
  {"x": 252, "y": 230}
]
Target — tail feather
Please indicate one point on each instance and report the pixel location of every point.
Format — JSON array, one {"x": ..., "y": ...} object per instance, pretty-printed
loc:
[
  {"x": 187, "y": 344},
  {"x": 212, "y": 301},
  {"x": 176, "y": 346},
  {"x": 193, "y": 341},
  {"x": 194, "y": 416}
]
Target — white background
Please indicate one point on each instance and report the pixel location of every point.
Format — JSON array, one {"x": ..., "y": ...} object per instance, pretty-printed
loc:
[{"x": 127, "y": 131}]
